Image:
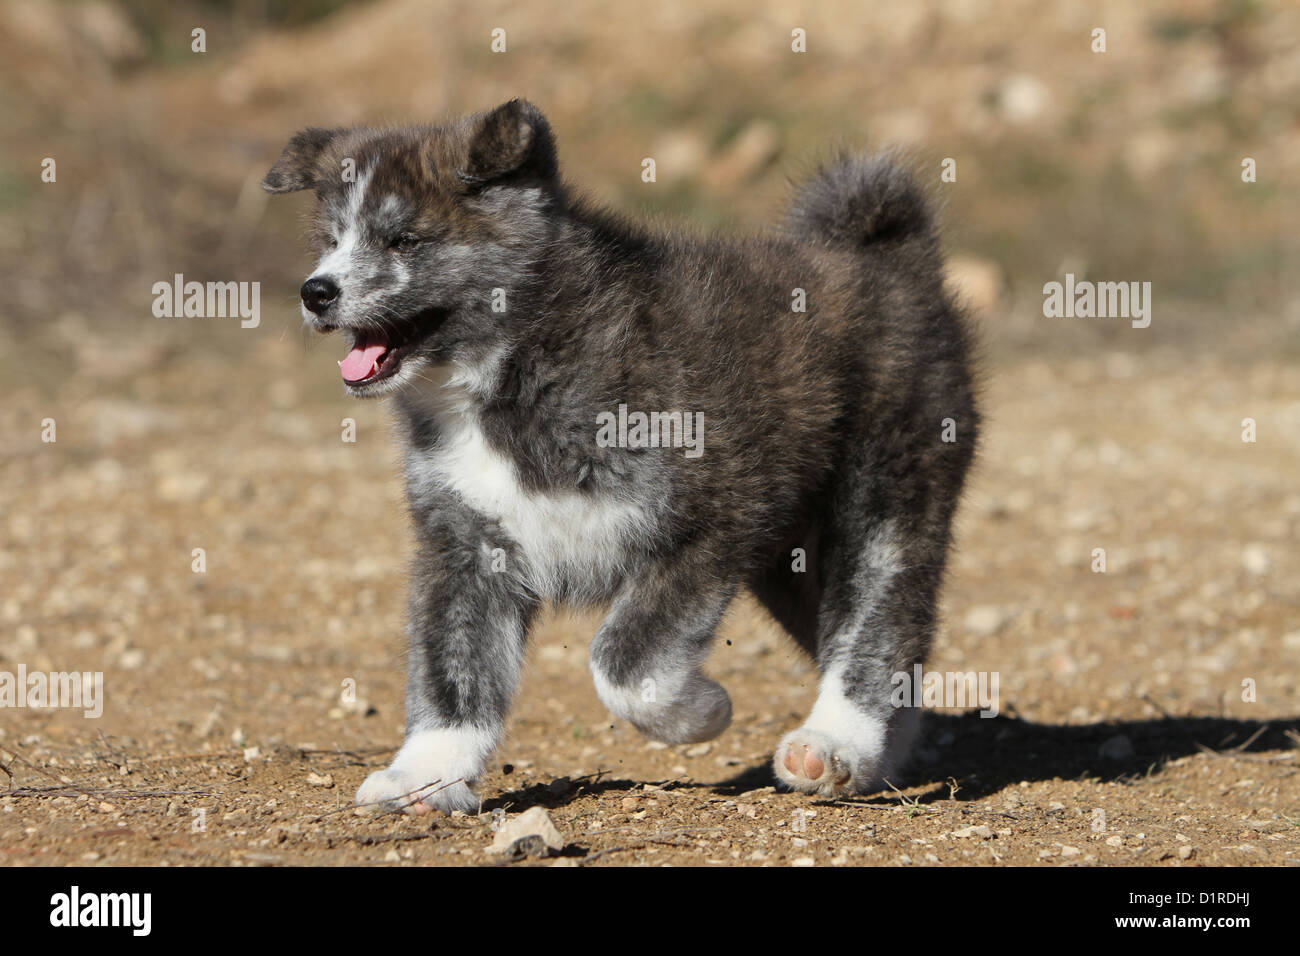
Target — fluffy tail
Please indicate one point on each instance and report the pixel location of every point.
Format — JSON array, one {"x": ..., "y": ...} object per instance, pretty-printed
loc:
[{"x": 860, "y": 201}]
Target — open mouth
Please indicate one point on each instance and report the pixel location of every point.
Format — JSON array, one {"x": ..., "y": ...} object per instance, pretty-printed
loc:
[
  {"x": 377, "y": 354},
  {"x": 372, "y": 359}
]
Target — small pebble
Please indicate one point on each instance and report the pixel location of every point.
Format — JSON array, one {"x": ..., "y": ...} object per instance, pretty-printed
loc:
[
  {"x": 1255, "y": 559},
  {"x": 985, "y": 620}
]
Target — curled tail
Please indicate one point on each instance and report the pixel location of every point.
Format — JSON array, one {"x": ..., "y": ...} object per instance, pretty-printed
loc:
[{"x": 861, "y": 201}]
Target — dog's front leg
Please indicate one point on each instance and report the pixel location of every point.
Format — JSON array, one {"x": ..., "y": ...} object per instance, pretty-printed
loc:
[
  {"x": 647, "y": 656},
  {"x": 468, "y": 623}
]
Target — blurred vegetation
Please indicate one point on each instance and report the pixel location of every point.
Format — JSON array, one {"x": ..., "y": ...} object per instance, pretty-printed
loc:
[
  {"x": 1122, "y": 165},
  {"x": 165, "y": 24}
]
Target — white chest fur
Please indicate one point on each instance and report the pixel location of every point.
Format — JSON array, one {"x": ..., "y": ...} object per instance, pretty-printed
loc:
[{"x": 569, "y": 540}]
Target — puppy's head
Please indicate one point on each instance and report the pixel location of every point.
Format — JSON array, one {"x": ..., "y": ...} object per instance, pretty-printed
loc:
[{"x": 422, "y": 233}]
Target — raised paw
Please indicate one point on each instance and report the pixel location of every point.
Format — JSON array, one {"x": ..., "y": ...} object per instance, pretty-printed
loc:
[
  {"x": 811, "y": 762},
  {"x": 683, "y": 710}
]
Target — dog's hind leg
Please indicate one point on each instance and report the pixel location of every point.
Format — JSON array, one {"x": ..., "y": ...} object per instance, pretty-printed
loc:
[
  {"x": 884, "y": 544},
  {"x": 874, "y": 623}
]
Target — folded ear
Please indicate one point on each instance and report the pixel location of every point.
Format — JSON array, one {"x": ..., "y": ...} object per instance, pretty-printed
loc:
[
  {"x": 296, "y": 167},
  {"x": 514, "y": 138}
]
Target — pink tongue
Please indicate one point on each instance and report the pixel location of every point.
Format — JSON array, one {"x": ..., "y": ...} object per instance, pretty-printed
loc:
[{"x": 362, "y": 362}]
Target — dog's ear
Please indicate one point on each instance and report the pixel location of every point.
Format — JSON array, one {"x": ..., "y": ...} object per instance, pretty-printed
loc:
[
  {"x": 513, "y": 139},
  {"x": 296, "y": 167}
]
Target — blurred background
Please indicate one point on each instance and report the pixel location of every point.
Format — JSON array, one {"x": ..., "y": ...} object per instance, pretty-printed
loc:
[
  {"x": 177, "y": 434},
  {"x": 1123, "y": 164}
]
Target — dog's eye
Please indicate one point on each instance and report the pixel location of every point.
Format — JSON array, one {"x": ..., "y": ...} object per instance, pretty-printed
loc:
[
  {"x": 405, "y": 242},
  {"x": 331, "y": 242}
]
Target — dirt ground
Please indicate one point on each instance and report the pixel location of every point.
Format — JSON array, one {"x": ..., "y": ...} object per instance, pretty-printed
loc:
[
  {"x": 1147, "y": 714},
  {"x": 226, "y": 738}
]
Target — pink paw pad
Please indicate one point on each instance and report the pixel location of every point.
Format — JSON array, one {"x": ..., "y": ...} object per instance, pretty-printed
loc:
[{"x": 809, "y": 765}]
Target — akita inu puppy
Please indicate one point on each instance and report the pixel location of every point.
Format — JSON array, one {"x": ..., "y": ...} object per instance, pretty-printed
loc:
[{"x": 602, "y": 413}]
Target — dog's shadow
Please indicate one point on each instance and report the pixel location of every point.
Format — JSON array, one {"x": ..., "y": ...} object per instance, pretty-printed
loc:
[{"x": 966, "y": 757}]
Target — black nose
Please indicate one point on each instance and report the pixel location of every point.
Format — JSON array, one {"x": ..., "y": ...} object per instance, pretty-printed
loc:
[{"x": 317, "y": 294}]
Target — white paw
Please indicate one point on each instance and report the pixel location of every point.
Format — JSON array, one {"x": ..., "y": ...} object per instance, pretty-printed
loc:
[
  {"x": 434, "y": 770},
  {"x": 842, "y": 748},
  {"x": 394, "y": 790},
  {"x": 812, "y": 762}
]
